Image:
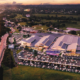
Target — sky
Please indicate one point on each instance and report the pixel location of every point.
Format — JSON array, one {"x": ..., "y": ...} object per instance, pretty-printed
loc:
[{"x": 25, "y": 2}]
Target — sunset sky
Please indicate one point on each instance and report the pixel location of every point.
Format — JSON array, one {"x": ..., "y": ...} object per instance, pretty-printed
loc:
[{"x": 42, "y": 1}]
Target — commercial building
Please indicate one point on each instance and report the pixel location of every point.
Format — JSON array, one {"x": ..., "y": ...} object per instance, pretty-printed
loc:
[
  {"x": 29, "y": 30},
  {"x": 29, "y": 41},
  {"x": 68, "y": 43},
  {"x": 55, "y": 42}
]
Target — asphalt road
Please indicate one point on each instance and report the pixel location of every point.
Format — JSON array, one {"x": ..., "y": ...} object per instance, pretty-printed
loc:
[{"x": 2, "y": 46}]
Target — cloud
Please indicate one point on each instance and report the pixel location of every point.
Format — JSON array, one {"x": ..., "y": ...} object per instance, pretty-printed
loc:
[{"x": 2, "y": 0}]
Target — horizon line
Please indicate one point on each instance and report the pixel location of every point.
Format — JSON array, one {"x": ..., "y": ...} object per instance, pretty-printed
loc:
[{"x": 39, "y": 4}]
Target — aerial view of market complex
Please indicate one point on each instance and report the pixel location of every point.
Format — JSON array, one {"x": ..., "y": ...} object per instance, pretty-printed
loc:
[{"x": 41, "y": 36}]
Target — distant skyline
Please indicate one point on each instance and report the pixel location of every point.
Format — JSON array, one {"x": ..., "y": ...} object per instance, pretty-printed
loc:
[{"x": 35, "y": 2}]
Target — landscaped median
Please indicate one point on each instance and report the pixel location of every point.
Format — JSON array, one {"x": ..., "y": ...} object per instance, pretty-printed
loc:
[
  {"x": 31, "y": 73},
  {"x": 18, "y": 51}
]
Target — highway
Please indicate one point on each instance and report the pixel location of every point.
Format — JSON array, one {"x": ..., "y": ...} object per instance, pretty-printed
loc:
[{"x": 3, "y": 46}]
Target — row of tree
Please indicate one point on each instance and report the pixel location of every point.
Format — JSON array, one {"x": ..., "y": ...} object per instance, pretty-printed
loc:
[{"x": 8, "y": 59}]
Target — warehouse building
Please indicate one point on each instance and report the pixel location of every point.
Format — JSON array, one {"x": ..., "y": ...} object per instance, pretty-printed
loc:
[
  {"x": 29, "y": 41},
  {"x": 39, "y": 41},
  {"x": 68, "y": 43}
]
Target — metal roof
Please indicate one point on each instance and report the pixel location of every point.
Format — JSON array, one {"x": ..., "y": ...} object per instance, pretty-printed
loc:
[
  {"x": 30, "y": 40},
  {"x": 50, "y": 40},
  {"x": 45, "y": 34},
  {"x": 57, "y": 42},
  {"x": 60, "y": 44},
  {"x": 78, "y": 48},
  {"x": 74, "y": 29},
  {"x": 79, "y": 41},
  {"x": 48, "y": 43},
  {"x": 72, "y": 46},
  {"x": 64, "y": 46},
  {"x": 67, "y": 42},
  {"x": 34, "y": 42},
  {"x": 42, "y": 40},
  {"x": 69, "y": 39},
  {"x": 47, "y": 39},
  {"x": 24, "y": 40}
]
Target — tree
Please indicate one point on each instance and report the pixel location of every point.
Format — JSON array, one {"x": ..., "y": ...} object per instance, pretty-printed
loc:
[
  {"x": 24, "y": 36},
  {"x": 14, "y": 41},
  {"x": 35, "y": 53},
  {"x": 8, "y": 59},
  {"x": 28, "y": 35},
  {"x": 19, "y": 28},
  {"x": 3, "y": 29},
  {"x": 73, "y": 32},
  {"x": 30, "y": 50},
  {"x": 26, "y": 48}
]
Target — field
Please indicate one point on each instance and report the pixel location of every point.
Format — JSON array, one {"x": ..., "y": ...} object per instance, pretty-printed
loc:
[
  {"x": 74, "y": 25},
  {"x": 44, "y": 20},
  {"x": 58, "y": 15},
  {"x": 31, "y": 73},
  {"x": 53, "y": 21},
  {"x": 22, "y": 23},
  {"x": 37, "y": 27},
  {"x": 19, "y": 16},
  {"x": 18, "y": 51},
  {"x": 16, "y": 30}
]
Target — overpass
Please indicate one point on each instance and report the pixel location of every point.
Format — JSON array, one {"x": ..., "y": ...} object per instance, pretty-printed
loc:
[{"x": 3, "y": 46}]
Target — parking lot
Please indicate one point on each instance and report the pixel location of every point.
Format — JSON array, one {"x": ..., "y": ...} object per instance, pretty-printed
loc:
[{"x": 50, "y": 62}]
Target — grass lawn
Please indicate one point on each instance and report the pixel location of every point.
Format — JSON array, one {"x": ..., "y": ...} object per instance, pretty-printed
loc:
[
  {"x": 59, "y": 15},
  {"x": 18, "y": 51},
  {"x": 16, "y": 30},
  {"x": 44, "y": 20},
  {"x": 71, "y": 25},
  {"x": 22, "y": 23},
  {"x": 74, "y": 25},
  {"x": 37, "y": 27},
  {"x": 31, "y": 73},
  {"x": 19, "y": 16}
]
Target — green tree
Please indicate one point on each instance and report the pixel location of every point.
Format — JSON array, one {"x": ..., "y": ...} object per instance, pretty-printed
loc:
[
  {"x": 26, "y": 48},
  {"x": 35, "y": 53},
  {"x": 8, "y": 59},
  {"x": 14, "y": 41}
]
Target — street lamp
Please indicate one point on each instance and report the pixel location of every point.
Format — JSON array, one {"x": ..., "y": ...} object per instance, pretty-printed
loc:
[
  {"x": 78, "y": 34},
  {"x": 48, "y": 29},
  {"x": 42, "y": 28}
]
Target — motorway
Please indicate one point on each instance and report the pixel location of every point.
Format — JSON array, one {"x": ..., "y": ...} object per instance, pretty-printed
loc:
[{"x": 3, "y": 46}]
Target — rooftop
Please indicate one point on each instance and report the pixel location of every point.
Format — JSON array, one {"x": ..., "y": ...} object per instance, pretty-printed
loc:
[{"x": 73, "y": 29}]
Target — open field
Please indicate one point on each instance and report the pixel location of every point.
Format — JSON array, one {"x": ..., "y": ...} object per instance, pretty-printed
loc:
[
  {"x": 18, "y": 51},
  {"x": 19, "y": 16},
  {"x": 31, "y": 73},
  {"x": 71, "y": 25},
  {"x": 44, "y": 20},
  {"x": 74, "y": 25},
  {"x": 16, "y": 30},
  {"x": 37, "y": 27},
  {"x": 59, "y": 15},
  {"x": 22, "y": 23}
]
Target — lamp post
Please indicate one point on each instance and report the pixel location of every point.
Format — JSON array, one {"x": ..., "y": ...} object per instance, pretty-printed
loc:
[{"x": 42, "y": 28}]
